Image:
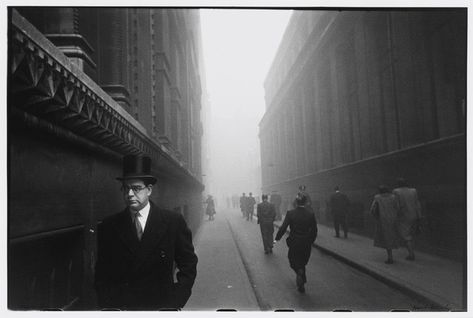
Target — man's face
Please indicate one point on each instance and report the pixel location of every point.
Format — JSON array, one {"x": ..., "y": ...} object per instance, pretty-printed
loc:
[{"x": 136, "y": 194}]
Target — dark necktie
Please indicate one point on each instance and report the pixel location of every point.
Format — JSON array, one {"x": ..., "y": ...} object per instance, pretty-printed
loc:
[{"x": 139, "y": 229}]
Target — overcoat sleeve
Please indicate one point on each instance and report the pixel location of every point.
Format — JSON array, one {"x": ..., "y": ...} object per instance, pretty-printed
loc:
[
  {"x": 107, "y": 290},
  {"x": 186, "y": 263}
]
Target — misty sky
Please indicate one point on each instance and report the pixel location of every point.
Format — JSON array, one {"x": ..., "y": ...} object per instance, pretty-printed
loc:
[{"x": 238, "y": 46}]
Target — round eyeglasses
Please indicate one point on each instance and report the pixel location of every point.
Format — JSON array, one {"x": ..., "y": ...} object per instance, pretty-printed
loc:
[{"x": 134, "y": 188}]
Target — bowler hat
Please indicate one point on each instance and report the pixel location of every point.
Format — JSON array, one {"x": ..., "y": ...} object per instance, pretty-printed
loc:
[{"x": 137, "y": 167}]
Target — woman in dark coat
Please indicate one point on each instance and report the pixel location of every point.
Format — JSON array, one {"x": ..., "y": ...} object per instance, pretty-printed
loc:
[
  {"x": 385, "y": 210},
  {"x": 303, "y": 231}
]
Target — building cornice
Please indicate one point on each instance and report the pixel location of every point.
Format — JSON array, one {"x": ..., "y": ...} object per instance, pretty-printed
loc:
[{"x": 45, "y": 84}]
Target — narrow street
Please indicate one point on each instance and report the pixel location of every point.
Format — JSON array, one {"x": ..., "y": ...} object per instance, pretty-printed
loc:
[{"x": 234, "y": 273}]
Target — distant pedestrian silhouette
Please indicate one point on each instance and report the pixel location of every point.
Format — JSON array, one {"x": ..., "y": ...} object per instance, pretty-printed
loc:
[
  {"x": 243, "y": 204},
  {"x": 339, "y": 206},
  {"x": 266, "y": 214},
  {"x": 250, "y": 207},
  {"x": 210, "y": 210}
]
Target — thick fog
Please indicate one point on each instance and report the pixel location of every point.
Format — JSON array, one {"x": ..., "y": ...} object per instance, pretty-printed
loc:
[{"x": 239, "y": 47}]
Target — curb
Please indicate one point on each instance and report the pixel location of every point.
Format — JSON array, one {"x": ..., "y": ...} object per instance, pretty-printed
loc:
[{"x": 434, "y": 304}]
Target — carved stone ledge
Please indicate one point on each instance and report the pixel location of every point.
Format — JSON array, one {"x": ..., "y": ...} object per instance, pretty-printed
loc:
[
  {"x": 44, "y": 84},
  {"x": 119, "y": 93}
]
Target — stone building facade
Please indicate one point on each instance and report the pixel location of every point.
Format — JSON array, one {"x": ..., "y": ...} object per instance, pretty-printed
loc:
[
  {"x": 360, "y": 98},
  {"x": 87, "y": 86}
]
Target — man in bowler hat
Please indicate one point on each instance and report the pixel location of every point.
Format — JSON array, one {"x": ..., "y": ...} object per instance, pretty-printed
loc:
[{"x": 138, "y": 247}]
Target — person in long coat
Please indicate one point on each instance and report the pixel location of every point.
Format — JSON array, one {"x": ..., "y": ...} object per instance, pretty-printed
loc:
[
  {"x": 410, "y": 214},
  {"x": 243, "y": 204},
  {"x": 339, "y": 206},
  {"x": 250, "y": 207},
  {"x": 266, "y": 214},
  {"x": 385, "y": 210},
  {"x": 303, "y": 232},
  {"x": 210, "y": 210},
  {"x": 139, "y": 248}
]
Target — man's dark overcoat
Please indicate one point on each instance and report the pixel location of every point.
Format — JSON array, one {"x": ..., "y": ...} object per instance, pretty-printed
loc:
[
  {"x": 138, "y": 275},
  {"x": 266, "y": 214},
  {"x": 339, "y": 204},
  {"x": 303, "y": 232}
]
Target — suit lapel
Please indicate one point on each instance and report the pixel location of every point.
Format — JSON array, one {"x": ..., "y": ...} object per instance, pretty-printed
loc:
[{"x": 125, "y": 230}]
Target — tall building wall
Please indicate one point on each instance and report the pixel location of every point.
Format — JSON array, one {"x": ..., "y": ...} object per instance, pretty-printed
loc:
[
  {"x": 365, "y": 89},
  {"x": 87, "y": 86}
]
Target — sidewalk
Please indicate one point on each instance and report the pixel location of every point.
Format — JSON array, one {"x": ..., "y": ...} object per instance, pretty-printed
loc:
[
  {"x": 222, "y": 279},
  {"x": 431, "y": 278}
]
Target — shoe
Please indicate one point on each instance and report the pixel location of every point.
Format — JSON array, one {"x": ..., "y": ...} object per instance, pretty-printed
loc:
[
  {"x": 389, "y": 261},
  {"x": 410, "y": 257},
  {"x": 301, "y": 289},
  {"x": 337, "y": 236},
  {"x": 270, "y": 251},
  {"x": 266, "y": 252}
]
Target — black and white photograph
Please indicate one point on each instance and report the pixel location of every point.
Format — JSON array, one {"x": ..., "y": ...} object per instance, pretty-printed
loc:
[{"x": 235, "y": 157}]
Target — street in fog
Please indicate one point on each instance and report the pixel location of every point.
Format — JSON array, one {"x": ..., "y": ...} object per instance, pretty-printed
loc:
[
  {"x": 234, "y": 273},
  {"x": 361, "y": 113}
]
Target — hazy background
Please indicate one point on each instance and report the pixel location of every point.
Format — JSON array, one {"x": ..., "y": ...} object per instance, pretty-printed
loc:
[{"x": 239, "y": 47}]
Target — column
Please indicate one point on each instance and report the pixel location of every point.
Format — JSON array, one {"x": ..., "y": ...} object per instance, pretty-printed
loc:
[
  {"x": 61, "y": 27},
  {"x": 113, "y": 47}
]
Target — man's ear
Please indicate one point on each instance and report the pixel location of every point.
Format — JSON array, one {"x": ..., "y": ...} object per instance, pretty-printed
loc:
[{"x": 150, "y": 188}]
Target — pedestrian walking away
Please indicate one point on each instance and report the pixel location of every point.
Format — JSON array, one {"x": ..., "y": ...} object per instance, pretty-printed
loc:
[
  {"x": 243, "y": 204},
  {"x": 409, "y": 215},
  {"x": 210, "y": 210},
  {"x": 385, "y": 210},
  {"x": 266, "y": 215},
  {"x": 139, "y": 248},
  {"x": 303, "y": 232},
  {"x": 339, "y": 206},
  {"x": 250, "y": 207}
]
